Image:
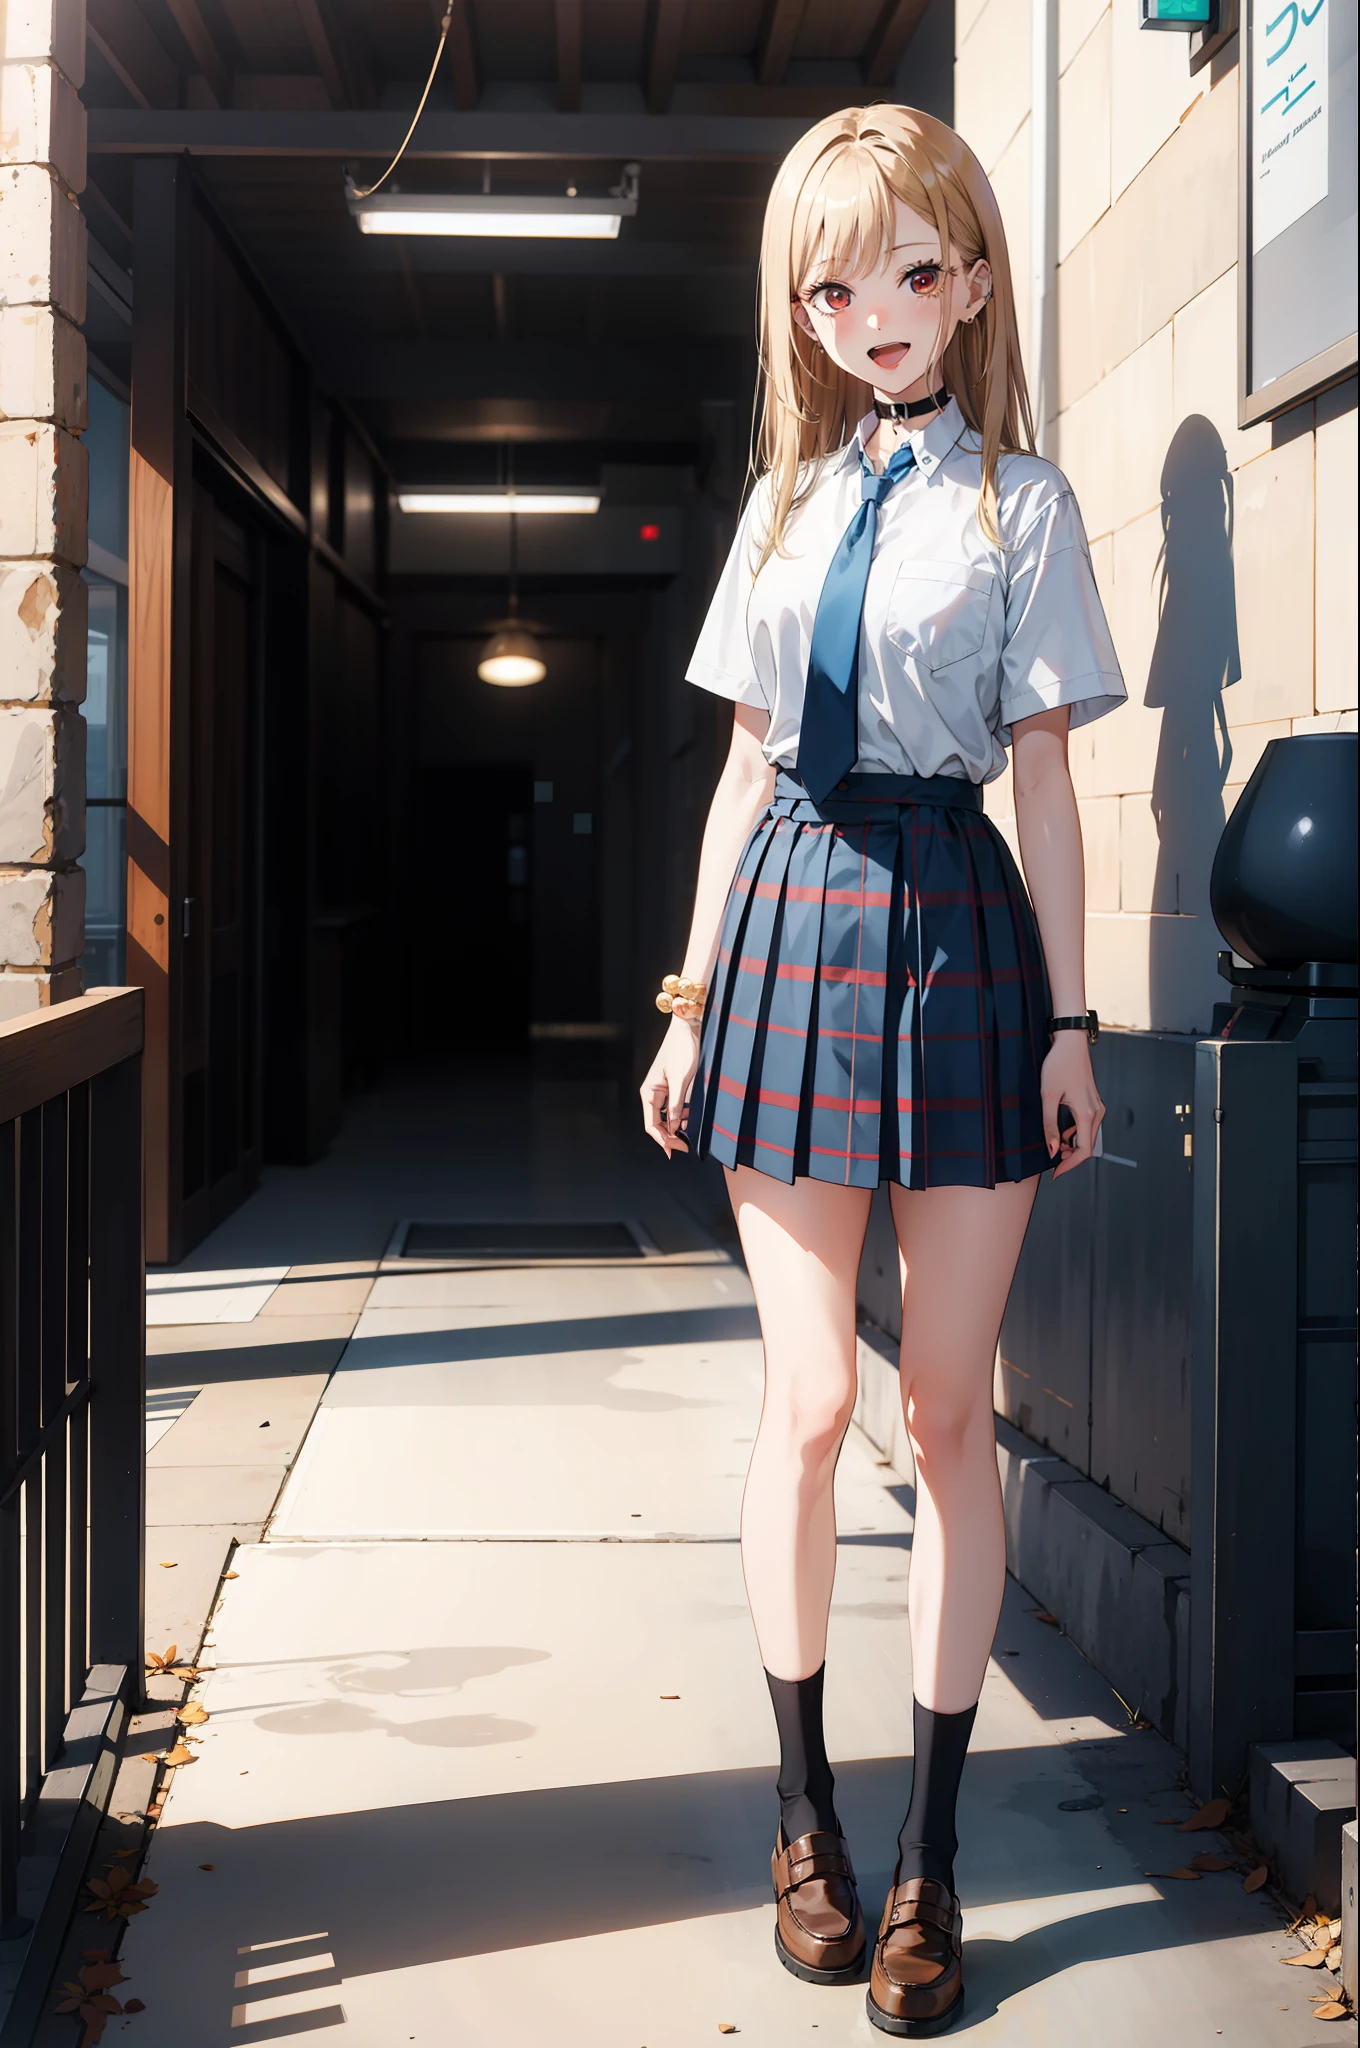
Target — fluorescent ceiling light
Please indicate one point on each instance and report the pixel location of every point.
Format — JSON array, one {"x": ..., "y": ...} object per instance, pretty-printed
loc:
[
  {"x": 498, "y": 501},
  {"x": 490, "y": 213}
]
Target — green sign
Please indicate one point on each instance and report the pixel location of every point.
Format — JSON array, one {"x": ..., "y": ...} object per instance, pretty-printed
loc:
[{"x": 1183, "y": 14}]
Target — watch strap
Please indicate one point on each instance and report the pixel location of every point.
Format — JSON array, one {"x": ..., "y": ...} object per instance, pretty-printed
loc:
[{"x": 1088, "y": 1022}]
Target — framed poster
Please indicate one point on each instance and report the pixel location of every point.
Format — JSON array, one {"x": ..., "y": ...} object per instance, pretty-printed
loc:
[{"x": 1296, "y": 273}]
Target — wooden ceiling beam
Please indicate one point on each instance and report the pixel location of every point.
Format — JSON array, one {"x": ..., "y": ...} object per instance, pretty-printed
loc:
[
  {"x": 568, "y": 21},
  {"x": 140, "y": 62},
  {"x": 460, "y": 52},
  {"x": 189, "y": 21},
  {"x": 328, "y": 52},
  {"x": 661, "y": 52},
  {"x": 897, "y": 23},
  {"x": 774, "y": 45}
]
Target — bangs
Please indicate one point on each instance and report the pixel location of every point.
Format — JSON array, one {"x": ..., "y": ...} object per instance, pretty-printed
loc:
[{"x": 843, "y": 217}]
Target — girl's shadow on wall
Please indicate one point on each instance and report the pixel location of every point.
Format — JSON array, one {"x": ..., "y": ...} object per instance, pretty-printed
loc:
[{"x": 1196, "y": 658}]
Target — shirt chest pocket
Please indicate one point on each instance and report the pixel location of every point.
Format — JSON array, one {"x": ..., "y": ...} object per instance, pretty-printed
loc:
[{"x": 938, "y": 611}]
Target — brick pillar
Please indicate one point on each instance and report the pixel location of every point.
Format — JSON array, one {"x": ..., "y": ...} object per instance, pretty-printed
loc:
[{"x": 43, "y": 503}]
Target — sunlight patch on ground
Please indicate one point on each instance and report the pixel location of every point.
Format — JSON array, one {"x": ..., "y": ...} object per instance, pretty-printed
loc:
[{"x": 234, "y": 1296}]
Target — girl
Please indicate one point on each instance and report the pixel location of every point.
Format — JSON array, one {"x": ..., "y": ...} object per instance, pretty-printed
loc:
[{"x": 867, "y": 993}]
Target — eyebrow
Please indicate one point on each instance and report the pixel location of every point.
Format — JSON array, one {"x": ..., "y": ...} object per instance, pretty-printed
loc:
[{"x": 910, "y": 245}]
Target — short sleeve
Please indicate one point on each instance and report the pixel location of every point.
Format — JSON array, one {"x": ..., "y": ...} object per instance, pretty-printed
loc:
[
  {"x": 722, "y": 659},
  {"x": 1058, "y": 648}
]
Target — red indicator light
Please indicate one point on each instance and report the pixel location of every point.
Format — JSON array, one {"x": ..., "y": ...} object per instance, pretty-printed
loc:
[{"x": 649, "y": 533}]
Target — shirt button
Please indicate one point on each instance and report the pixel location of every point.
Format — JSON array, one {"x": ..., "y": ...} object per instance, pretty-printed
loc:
[{"x": 842, "y": 785}]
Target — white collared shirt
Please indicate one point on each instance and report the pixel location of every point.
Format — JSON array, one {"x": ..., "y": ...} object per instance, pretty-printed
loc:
[{"x": 960, "y": 637}]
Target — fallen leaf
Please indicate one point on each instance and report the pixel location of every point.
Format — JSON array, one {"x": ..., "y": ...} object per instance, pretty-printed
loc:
[
  {"x": 1206, "y": 1861},
  {"x": 1333, "y": 2010},
  {"x": 669, "y": 1695},
  {"x": 207, "y": 1866},
  {"x": 1256, "y": 1879},
  {"x": 114, "y": 1894},
  {"x": 1307, "y": 1958},
  {"x": 191, "y": 1714},
  {"x": 1042, "y": 1614},
  {"x": 1310, "y": 1907},
  {"x": 1141, "y": 1721},
  {"x": 125, "y": 1852},
  {"x": 134, "y": 2005},
  {"x": 1182, "y": 1870},
  {"x": 1334, "y": 1957},
  {"x": 1169, "y": 1820},
  {"x": 1211, "y": 1815},
  {"x": 169, "y": 1564},
  {"x": 99, "y": 1976},
  {"x": 180, "y": 1754},
  {"x": 164, "y": 1660},
  {"x": 231, "y": 1575}
]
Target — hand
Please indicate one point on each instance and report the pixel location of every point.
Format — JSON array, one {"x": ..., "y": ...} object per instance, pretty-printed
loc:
[
  {"x": 665, "y": 1091},
  {"x": 1066, "y": 1077}
]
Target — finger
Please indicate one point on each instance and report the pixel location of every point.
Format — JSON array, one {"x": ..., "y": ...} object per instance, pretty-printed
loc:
[
  {"x": 1050, "y": 1106},
  {"x": 653, "y": 1110},
  {"x": 1077, "y": 1149}
]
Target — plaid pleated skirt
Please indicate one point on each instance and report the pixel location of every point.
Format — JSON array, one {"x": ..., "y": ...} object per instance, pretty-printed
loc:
[{"x": 879, "y": 1005}]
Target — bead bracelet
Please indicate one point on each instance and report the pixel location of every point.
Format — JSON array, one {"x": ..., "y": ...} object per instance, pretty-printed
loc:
[{"x": 682, "y": 998}]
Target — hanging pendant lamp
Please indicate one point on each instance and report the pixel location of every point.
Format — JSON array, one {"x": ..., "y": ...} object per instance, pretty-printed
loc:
[{"x": 511, "y": 658}]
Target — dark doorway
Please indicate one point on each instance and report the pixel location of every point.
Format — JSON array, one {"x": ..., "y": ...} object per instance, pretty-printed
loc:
[
  {"x": 478, "y": 973},
  {"x": 220, "y": 1021}
]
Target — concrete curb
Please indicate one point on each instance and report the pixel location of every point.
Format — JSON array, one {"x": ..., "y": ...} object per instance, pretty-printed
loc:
[{"x": 1120, "y": 1590}]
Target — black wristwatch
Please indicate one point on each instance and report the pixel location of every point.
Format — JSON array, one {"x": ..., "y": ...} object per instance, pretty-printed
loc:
[{"x": 1090, "y": 1024}]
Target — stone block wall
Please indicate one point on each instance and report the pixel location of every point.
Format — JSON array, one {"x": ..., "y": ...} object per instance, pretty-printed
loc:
[
  {"x": 43, "y": 503},
  {"x": 1226, "y": 559}
]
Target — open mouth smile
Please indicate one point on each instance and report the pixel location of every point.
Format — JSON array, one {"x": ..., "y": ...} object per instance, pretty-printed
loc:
[{"x": 889, "y": 353}]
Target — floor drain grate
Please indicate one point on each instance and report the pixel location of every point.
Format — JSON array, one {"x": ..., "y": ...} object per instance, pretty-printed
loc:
[{"x": 482, "y": 1240}]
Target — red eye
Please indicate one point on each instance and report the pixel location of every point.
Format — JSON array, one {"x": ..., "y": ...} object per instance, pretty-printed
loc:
[
  {"x": 924, "y": 281},
  {"x": 835, "y": 298}
]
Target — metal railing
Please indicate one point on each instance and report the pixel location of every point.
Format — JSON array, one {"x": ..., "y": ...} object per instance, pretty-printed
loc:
[{"x": 72, "y": 1384}]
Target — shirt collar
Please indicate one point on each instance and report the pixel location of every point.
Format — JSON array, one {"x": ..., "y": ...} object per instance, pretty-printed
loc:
[{"x": 930, "y": 442}]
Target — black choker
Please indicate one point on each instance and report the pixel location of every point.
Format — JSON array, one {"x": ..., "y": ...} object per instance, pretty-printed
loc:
[{"x": 899, "y": 409}]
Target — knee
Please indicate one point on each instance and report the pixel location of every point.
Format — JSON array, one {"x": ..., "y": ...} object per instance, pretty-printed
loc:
[
  {"x": 814, "y": 1418},
  {"x": 946, "y": 1424}
]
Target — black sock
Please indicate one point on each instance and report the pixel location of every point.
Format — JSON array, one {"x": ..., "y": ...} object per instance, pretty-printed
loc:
[
  {"x": 928, "y": 1843},
  {"x": 806, "y": 1786}
]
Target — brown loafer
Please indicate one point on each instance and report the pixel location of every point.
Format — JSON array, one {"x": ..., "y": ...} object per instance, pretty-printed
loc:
[
  {"x": 916, "y": 1983},
  {"x": 818, "y": 1929}
]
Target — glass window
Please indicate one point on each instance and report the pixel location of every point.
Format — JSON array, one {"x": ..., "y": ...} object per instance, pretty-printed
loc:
[
  {"x": 106, "y": 442},
  {"x": 105, "y": 860}
]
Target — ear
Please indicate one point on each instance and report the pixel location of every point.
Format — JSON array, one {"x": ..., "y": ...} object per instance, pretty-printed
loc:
[
  {"x": 802, "y": 317},
  {"x": 978, "y": 280}
]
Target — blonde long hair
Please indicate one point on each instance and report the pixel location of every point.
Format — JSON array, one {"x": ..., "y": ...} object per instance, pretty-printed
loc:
[{"x": 832, "y": 203}]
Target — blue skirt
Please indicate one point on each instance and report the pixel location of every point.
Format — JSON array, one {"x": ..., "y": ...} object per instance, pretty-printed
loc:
[{"x": 879, "y": 1005}]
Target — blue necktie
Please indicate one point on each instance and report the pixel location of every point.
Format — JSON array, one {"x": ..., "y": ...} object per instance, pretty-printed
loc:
[{"x": 828, "y": 745}]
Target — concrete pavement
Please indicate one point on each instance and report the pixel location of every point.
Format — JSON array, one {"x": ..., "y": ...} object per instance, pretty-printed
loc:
[{"x": 489, "y": 1756}]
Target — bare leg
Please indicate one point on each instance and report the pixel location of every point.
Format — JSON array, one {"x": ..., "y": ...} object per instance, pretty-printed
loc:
[
  {"x": 958, "y": 1247},
  {"x": 802, "y": 1245}
]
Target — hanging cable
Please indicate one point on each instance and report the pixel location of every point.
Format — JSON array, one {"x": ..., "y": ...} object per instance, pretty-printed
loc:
[{"x": 444, "y": 26}]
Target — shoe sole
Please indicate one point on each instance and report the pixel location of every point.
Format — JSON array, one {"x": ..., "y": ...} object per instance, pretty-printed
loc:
[
  {"x": 849, "y": 1973},
  {"x": 916, "y": 2030}
]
